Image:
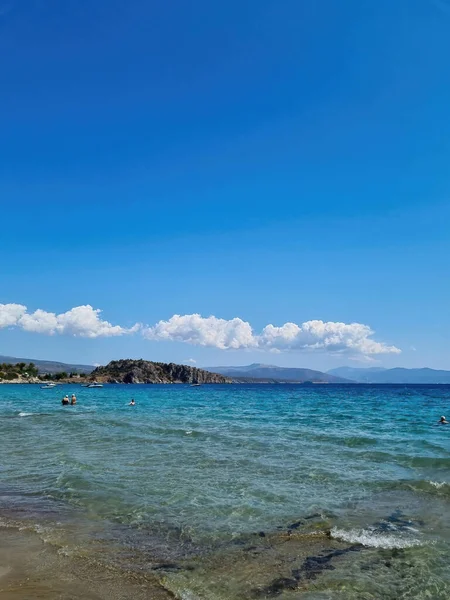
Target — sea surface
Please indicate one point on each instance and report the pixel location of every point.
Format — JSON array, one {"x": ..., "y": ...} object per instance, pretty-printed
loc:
[{"x": 225, "y": 492}]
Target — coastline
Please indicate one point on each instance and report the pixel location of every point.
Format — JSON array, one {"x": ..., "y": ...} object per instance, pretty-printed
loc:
[
  {"x": 56, "y": 560},
  {"x": 223, "y": 493}
]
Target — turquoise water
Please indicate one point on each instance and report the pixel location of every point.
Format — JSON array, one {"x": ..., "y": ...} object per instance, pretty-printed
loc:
[{"x": 188, "y": 472}]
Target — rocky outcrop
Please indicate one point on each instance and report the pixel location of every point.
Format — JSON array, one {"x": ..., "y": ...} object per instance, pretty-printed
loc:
[
  {"x": 22, "y": 380},
  {"x": 144, "y": 371}
]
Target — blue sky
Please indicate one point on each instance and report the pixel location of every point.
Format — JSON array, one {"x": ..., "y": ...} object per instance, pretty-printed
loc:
[{"x": 273, "y": 162}]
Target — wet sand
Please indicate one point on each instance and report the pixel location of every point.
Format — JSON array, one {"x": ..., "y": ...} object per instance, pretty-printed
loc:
[{"x": 33, "y": 570}]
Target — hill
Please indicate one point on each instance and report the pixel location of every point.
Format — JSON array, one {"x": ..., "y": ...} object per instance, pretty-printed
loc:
[
  {"x": 272, "y": 373},
  {"x": 145, "y": 371},
  {"x": 48, "y": 366},
  {"x": 21, "y": 372},
  {"x": 396, "y": 375}
]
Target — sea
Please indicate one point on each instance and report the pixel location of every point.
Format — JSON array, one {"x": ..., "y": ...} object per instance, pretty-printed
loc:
[{"x": 225, "y": 492}]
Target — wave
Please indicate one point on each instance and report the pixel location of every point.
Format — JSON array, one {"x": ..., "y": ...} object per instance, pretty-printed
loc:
[
  {"x": 434, "y": 488},
  {"x": 33, "y": 414},
  {"x": 442, "y": 488},
  {"x": 438, "y": 484},
  {"x": 371, "y": 539}
]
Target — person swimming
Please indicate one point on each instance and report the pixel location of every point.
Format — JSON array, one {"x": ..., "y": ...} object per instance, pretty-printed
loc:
[
  {"x": 73, "y": 400},
  {"x": 132, "y": 403},
  {"x": 443, "y": 421},
  {"x": 65, "y": 400}
]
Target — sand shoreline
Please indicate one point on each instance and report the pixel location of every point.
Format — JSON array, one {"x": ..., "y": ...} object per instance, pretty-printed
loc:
[
  {"x": 32, "y": 569},
  {"x": 300, "y": 558}
]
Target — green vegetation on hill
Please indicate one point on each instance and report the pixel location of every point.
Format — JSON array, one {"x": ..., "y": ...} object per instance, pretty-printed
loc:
[
  {"x": 29, "y": 372},
  {"x": 21, "y": 370},
  {"x": 48, "y": 366}
]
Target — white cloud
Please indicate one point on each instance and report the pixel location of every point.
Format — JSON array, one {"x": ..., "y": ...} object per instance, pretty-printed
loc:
[
  {"x": 354, "y": 339},
  {"x": 201, "y": 331},
  {"x": 81, "y": 321},
  {"x": 350, "y": 338},
  {"x": 10, "y": 314},
  {"x": 192, "y": 361}
]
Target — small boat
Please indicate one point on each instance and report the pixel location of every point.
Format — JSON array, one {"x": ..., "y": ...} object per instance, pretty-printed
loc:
[
  {"x": 196, "y": 384},
  {"x": 48, "y": 386},
  {"x": 95, "y": 385}
]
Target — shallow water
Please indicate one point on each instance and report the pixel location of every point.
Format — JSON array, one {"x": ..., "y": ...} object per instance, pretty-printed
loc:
[{"x": 181, "y": 486}]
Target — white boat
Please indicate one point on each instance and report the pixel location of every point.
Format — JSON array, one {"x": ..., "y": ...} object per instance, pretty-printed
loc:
[
  {"x": 48, "y": 386},
  {"x": 95, "y": 385}
]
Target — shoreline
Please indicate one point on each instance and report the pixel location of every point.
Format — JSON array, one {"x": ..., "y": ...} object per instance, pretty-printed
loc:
[{"x": 302, "y": 557}]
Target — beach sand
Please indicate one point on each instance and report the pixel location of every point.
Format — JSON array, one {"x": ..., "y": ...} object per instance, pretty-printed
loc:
[{"x": 33, "y": 570}]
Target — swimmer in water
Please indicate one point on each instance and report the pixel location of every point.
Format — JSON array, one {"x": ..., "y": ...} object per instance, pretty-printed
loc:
[
  {"x": 73, "y": 400},
  {"x": 65, "y": 400},
  {"x": 443, "y": 421},
  {"x": 132, "y": 403}
]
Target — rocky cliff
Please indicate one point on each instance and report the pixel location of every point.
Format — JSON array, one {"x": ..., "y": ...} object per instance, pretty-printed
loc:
[{"x": 144, "y": 371}]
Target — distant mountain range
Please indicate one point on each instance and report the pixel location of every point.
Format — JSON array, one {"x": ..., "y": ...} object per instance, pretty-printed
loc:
[
  {"x": 49, "y": 366},
  {"x": 262, "y": 373},
  {"x": 268, "y": 373},
  {"x": 397, "y": 375}
]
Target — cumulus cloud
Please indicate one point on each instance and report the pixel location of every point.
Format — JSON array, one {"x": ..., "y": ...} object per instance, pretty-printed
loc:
[
  {"x": 350, "y": 338},
  {"x": 318, "y": 335},
  {"x": 81, "y": 321},
  {"x": 10, "y": 314},
  {"x": 201, "y": 331},
  {"x": 353, "y": 339}
]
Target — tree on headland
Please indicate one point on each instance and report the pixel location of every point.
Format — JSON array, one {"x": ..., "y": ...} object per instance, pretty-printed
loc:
[
  {"x": 32, "y": 370},
  {"x": 9, "y": 372},
  {"x": 59, "y": 376}
]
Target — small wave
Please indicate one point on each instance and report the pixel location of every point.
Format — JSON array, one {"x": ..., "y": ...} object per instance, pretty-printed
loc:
[
  {"x": 435, "y": 488},
  {"x": 371, "y": 539},
  {"x": 438, "y": 484},
  {"x": 25, "y": 414},
  {"x": 442, "y": 486}
]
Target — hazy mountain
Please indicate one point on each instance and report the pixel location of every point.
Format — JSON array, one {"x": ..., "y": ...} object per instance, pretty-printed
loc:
[
  {"x": 361, "y": 375},
  {"x": 49, "y": 366},
  {"x": 397, "y": 375},
  {"x": 280, "y": 374}
]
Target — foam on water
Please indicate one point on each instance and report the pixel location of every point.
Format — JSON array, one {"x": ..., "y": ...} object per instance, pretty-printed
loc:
[
  {"x": 373, "y": 539},
  {"x": 439, "y": 484}
]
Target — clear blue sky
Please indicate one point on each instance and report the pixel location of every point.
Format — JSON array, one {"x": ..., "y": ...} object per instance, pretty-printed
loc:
[{"x": 272, "y": 161}]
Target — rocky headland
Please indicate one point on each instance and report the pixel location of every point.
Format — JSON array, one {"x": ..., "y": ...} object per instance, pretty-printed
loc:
[{"x": 145, "y": 371}]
